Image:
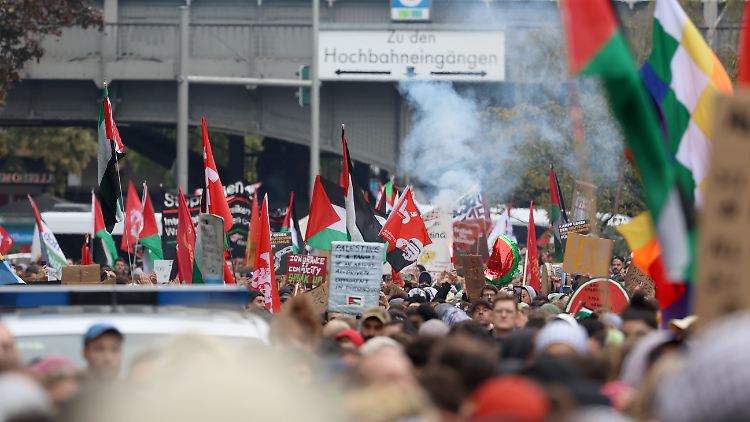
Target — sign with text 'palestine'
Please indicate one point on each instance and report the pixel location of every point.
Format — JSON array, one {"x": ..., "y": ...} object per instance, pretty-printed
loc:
[
  {"x": 398, "y": 54},
  {"x": 309, "y": 270},
  {"x": 356, "y": 270},
  {"x": 588, "y": 255}
]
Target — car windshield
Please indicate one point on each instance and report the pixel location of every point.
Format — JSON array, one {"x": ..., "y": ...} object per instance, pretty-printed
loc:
[{"x": 71, "y": 346}]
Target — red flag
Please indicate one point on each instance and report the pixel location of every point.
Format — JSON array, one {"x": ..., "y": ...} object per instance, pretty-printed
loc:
[
  {"x": 532, "y": 277},
  {"x": 185, "y": 241},
  {"x": 743, "y": 65},
  {"x": 86, "y": 252},
  {"x": 149, "y": 227},
  {"x": 405, "y": 232},
  {"x": 6, "y": 242},
  {"x": 214, "y": 191},
  {"x": 264, "y": 279},
  {"x": 252, "y": 236},
  {"x": 133, "y": 220}
]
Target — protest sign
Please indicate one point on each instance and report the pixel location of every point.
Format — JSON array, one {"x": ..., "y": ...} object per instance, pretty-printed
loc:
[
  {"x": 281, "y": 245},
  {"x": 598, "y": 294},
  {"x": 162, "y": 268},
  {"x": 80, "y": 274},
  {"x": 588, "y": 255},
  {"x": 308, "y": 270},
  {"x": 578, "y": 227},
  {"x": 356, "y": 270},
  {"x": 436, "y": 256},
  {"x": 637, "y": 279},
  {"x": 319, "y": 297},
  {"x": 209, "y": 248},
  {"x": 238, "y": 198},
  {"x": 725, "y": 215},
  {"x": 583, "y": 201},
  {"x": 470, "y": 267},
  {"x": 466, "y": 236}
]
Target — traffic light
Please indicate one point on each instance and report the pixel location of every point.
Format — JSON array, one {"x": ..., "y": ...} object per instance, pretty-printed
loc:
[{"x": 303, "y": 94}]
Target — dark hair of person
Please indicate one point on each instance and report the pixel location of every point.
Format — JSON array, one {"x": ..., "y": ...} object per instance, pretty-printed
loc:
[{"x": 640, "y": 309}]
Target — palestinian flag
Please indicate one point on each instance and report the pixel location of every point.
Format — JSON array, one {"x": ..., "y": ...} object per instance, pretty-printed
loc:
[
  {"x": 100, "y": 232},
  {"x": 327, "y": 220},
  {"x": 388, "y": 196},
  {"x": 558, "y": 214},
  {"x": 290, "y": 224},
  {"x": 149, "y": 236},
  {"x": 110, "y": 151},
  {"x": 51, "y": 252},
  {"x": 361, "y": 223},
  {"x": 597, "y": 48}
]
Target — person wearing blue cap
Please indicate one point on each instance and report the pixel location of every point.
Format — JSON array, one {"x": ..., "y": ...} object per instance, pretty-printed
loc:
[{"x": 102, "y": 349}]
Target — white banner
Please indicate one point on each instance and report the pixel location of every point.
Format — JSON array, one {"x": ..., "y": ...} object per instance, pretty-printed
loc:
[{"x": 436, "y": 257}]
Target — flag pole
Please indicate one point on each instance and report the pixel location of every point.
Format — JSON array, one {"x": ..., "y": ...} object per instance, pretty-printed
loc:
[{"x": 122, "y": 202}]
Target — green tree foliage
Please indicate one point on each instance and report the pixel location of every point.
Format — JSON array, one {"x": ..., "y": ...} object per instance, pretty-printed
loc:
[
  {"x": 61, "y": 150},
  {"x": 23, "y": 23}
]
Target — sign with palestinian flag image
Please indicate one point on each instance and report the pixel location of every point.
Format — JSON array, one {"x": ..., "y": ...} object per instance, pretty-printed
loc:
[{"x": 598, "y": 294}]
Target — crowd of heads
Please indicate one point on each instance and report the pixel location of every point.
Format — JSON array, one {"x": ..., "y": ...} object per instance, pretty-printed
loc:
[{"x": 428, "y": 352}]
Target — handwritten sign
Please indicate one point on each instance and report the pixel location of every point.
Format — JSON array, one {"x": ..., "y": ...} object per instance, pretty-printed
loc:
[
  {"x": 598, "y": 294},
  {"x": 281, "y": 245},
  {"x": 578, "y": 227},
  {"x": 588, "y": 255},
  {"x": 356, "y": 270},
  {"x": 725, "y": 218},
  {"x": 466, "y": 236},
  {"x": 209, "y": 246},
  {"x": 583, "y": 201},
  {"x": 472, "y": 269},
  {"x": 319, "y": 297},
  {"x": 637, "y": 279},
  {"x": 308, "y": 270},
  {"x": 162, "y": 268}
]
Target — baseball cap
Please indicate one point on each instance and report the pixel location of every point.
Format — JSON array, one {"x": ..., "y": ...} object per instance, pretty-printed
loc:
[
  {"x": 99, "y": 329},
  {"x": 377, "y": 313},
  {"x": 352, "y": 335}
]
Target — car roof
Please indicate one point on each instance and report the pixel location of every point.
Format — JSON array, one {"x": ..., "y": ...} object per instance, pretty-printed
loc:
[{"x": 136, "y": 320}]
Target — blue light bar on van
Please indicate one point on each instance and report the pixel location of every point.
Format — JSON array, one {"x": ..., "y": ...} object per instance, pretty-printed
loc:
[{"x": 33, "y": 297}]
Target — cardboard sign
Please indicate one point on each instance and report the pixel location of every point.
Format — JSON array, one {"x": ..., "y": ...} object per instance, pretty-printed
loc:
[
  {"x": 637, "y": 279},
  {"x": 578, "y": 227},
  {"x": 281, "y": 245},
  {"x": 209, "y": 248},
  {"x": 162, "y": 268},
  {"x": 308, "y": 270},
  {"x": 470, "y": 267},
  {"x": 356, "y": 269},
  {"x": 81, "y": 274},
  {"x": 466, "y": 236},
  {"x": 588, "y": 255},
  {"x": 598, "y": 294},
  {"x": 436, "y": 257},
  {"x": 319, "y": 298},
  {"x": 725, "y": 219}
]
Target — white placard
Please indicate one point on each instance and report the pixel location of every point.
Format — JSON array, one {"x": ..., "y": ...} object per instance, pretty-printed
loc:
[
  {"x": 436, "y": 257},
  {"x": 356, "y": 274},
  {"x": 394, "y": 55},
  {"x": 162, "y": 268},
  {"x": 209, "y": 247}
]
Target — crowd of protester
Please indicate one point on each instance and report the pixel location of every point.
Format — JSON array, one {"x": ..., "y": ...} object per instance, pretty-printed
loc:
[{"x": 429, "y": 352}]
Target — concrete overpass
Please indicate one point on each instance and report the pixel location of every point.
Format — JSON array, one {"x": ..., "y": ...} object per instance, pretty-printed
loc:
[{"x": 139, "y": 51}]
